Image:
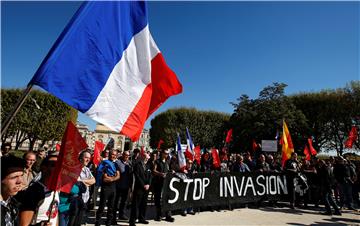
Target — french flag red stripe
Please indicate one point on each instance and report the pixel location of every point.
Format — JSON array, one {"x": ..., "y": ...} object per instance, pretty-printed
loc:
[{"x": 164, "y": 84}]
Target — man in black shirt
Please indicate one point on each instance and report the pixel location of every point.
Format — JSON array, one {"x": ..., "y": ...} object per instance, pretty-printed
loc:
[
  {"x": 291, "y": 169},
  {"x": 161, "y": 168},
  {"x": 142, "y": 175}
]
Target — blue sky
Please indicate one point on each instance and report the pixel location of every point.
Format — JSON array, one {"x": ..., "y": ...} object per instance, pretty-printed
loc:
[{"x": 219, "y": 50}]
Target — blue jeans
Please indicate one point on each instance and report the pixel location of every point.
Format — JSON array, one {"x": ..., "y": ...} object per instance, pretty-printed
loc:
[{"x": 64, "y": 218}]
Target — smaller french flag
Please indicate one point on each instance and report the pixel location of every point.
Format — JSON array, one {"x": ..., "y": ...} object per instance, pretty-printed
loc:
[
  {"x": 181, "y": 156},
  {"x": 190, "y": 145}
]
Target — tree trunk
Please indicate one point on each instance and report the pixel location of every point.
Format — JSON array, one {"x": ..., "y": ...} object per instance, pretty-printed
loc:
[
  {"x": 19, "y": 138},
  {"x": 32, "y": 143}
]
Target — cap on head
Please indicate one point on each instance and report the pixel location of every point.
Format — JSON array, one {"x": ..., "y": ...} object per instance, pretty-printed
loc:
[{"x": 11, "y": 164}]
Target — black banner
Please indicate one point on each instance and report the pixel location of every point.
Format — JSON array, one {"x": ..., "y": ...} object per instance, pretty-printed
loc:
[{"x": 205, "y": 189}]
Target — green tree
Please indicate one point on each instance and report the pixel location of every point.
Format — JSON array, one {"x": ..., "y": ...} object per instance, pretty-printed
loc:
[
  {"x": 42, "y": 117},
  {"x": 261, "y": 118},
  {"x": 206, "y": 127},
  {"x": 330, "y": 115}
]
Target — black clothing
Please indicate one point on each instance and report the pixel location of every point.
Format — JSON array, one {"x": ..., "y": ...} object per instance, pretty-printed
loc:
[
  {"x": 326, "y": 182},
  {"x": 291, "y": 169},
  {"x": 264, "y": 167},
  {"x": 162, "y": 167},
  {"x": 107, "y": 196},
  {"x": 143, "y": 176}
]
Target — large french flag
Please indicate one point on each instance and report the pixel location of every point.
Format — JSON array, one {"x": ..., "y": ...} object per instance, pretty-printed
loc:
[{"x": 107, "y": 65}]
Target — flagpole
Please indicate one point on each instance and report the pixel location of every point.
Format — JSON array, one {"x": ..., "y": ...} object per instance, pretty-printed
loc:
[
  {"x": 16, "y": 109},
  {"x": 51, "y": 206}
]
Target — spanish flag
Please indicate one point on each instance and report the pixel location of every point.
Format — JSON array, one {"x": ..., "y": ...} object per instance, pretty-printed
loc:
[{"x": 287, "y": 145}]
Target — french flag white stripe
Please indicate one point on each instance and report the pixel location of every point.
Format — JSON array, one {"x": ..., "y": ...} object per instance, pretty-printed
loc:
[{"x": 126, "y": 82}]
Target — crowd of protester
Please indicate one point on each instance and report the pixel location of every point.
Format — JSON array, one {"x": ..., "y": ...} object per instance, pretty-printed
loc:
[{"x": 124, "y": 181}]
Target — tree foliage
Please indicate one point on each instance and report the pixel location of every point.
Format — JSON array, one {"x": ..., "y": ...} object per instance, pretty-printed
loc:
[
  {"x": 206, "y": 127},
  {"x": 330, "y": 115},
  {"x": 45, "y": 123},
  {"x": 261, "y": 118}
]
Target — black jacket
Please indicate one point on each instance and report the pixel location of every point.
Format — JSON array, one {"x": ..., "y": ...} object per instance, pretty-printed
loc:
[{"x": 142, "y": 174}]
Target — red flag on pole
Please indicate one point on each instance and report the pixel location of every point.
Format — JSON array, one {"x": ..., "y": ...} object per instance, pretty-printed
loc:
[
  {"x": 159, "y": 144},
  {"x": 254, "y": 145},
  {"x": 229, "y": 136},
  {"x": 68, "y": 167},
  {"x": 99, "y": 147},
  {"x": 307, "y": 153},
  {"x": 312, "y": 149},
  {"x": 197, "y": 156},
  {"x": 352, "y": 137},
  {"x": 216, "y": 158}
]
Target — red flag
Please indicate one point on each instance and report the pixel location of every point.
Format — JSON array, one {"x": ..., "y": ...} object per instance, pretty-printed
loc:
[
  {"x": 57, "y": 147},
  {"x": 197, "y": 156},
  {"x": 352, "y": 137},
  {"x": 159, "y": 144},
  {"x": 188, "y": 155},
  {"x": 99, "y": 147},
  {"x": 68, "y": 167},
  {"x": 216, "y": 158},
  {"x": 254, "y": 145},
  {"x": 307, "y": 153},
  {"x": 312, "y": 149},
  {"x": 229, "y": 136}
]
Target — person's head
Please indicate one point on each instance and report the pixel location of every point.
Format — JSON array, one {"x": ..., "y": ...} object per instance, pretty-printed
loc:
[
  {"x": 262, "y": 158},
  {"x": 5, "y": 148},
  {"x": 165, "y": 154},
  {"x": 321, "y": 163},
  {"x": 85, "y": 157},
  {"x": 145, "y": 157},
  {"x": 11, "y": 176},
  {"x": 206, "y": 156},
  {"x": 41, "y": 153},
  {"x": 112, "y": 155},
  {"x": 189, "y": 163},
  {"x": 154, "y": 155},
  {"x": 332, "y": 160},
  {"x": 48, "y": 165},
  {"x": 270, "y": 158},
  {"x": 119, "y": 153},
  {"x": 30, "y": 159},
  {"x": 136, "y": 153},
  {"x": 105, "y": 153},
  {"x": 125, "y": 156},
  {"x": 239, "y": 158},
  {"x": 293, "y": 156}
]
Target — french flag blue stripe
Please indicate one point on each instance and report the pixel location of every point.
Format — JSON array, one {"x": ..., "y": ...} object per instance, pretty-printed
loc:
[{"x": 79, "y": 64}]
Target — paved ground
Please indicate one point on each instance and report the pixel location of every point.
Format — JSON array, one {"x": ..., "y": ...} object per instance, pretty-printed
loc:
[{"x": 261, "y": 216}]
